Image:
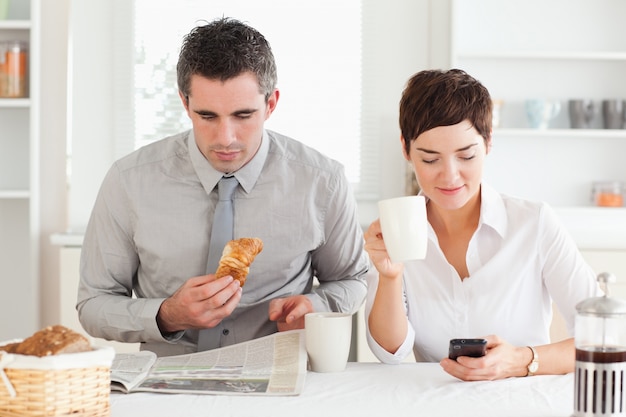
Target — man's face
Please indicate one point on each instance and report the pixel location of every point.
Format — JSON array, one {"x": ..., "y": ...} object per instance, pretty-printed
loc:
[{"x": 228, "y": 118}]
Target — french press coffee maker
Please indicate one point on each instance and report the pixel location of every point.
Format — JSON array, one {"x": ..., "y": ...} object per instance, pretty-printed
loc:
[{"x": 600, "y": 375}]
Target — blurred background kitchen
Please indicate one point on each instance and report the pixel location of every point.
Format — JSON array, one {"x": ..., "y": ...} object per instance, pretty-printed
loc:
[{"x": 83, "y": 82}]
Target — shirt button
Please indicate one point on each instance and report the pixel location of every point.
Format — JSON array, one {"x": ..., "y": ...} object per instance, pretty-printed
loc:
[{"x": 225, "y": 332}]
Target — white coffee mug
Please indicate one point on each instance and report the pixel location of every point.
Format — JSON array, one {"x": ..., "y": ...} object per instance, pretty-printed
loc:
[
  {"x": 328, "y": 336},
  {"x": 404, "y": 225}
]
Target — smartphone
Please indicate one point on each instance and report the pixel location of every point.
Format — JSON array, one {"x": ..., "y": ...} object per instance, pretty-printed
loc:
[{"x": 467, "y": 347}]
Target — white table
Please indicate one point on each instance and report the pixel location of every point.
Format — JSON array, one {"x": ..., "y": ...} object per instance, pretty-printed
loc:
[{"x": 373, "y": 389}]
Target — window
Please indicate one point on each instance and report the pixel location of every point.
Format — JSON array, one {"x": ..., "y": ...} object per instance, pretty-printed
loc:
[
  {"x": 393, "y": 42},
  {"x": 317, "y": 47}
]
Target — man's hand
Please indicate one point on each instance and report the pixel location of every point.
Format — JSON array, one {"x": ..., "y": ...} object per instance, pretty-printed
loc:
[
  {"x": 289, "y": 312},
  {"x": 201, "y": 302}
]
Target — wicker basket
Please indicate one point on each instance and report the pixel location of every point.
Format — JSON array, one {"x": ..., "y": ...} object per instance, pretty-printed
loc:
[{"x": 71, "y": 384}]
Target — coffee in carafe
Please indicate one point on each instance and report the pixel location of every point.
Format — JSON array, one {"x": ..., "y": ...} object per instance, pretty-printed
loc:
[{"x": 600, "y": 375}]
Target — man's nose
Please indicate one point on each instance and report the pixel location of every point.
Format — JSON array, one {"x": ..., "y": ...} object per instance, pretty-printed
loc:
[{"x": 225, "y": 133}]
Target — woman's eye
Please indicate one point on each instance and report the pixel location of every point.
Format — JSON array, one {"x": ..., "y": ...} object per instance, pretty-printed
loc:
[{"x": 429, "y": 161}]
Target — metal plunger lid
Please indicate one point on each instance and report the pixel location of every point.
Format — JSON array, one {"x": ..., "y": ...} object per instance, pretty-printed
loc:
[{"x": 603, "y": 306}]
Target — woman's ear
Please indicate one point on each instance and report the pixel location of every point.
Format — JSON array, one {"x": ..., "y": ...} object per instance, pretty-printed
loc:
[
  {"x": 488, "y": 143},
  {"x": 402, "y": 145}
]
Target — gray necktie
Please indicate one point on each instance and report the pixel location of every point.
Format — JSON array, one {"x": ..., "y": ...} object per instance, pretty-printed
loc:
[
  {"x": 222, "y": 230},
  {"x": 221, "y": 233}
]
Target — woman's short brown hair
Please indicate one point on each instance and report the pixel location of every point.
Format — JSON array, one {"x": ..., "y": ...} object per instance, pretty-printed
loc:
[{"x": 434, "y": 98}]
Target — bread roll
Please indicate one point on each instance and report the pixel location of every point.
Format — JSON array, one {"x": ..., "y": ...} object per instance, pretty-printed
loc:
[
  {"x": 237, "y": 256},
  {"x": 52, "y": 340}
]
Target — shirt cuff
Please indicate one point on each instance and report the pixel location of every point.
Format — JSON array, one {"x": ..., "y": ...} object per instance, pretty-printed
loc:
[
  {"x": 149, "y": 314},
  {"x": 403, "y": 351}
]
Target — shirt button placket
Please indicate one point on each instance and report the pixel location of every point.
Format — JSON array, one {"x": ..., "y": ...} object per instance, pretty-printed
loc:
[{"x": 228, "y": 335}]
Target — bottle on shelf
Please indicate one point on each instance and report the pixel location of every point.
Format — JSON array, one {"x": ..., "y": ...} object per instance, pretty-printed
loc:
[{"x": 13, "y": 70}]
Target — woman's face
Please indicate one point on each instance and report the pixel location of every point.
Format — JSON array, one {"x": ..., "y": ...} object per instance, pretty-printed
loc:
[{"x": 448, "y": 163}]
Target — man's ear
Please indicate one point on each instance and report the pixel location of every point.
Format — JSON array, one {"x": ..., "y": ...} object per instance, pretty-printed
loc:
[
  {"x": 272, "y": 101},
  {"x": 185, "y": 100},
  {"x": 402, "y": 145}
]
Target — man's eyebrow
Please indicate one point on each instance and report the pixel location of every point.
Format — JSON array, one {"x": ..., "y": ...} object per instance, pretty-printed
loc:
[
  {"x": 465, "y": 148},
  {"x": 204, "y": 113},
  {"x": 235, "y": 113}
]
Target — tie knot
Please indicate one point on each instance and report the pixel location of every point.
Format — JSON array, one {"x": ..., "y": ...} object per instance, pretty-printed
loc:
[{"x": 226, "y": 187}]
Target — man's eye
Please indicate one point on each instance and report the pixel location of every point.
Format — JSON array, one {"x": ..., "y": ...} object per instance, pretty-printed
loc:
[{"x": 244, "y": 115}]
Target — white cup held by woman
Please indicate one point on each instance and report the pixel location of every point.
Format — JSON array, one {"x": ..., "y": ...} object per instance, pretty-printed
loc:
[{"x": 404, "y": 226}]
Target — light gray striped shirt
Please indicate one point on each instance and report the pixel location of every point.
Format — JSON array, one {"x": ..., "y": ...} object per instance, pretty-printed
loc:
[{"x": 150, "y": 227}]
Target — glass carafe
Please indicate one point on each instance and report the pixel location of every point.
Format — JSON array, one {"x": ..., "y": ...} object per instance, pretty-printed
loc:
[{"x": 600, "y": 376}]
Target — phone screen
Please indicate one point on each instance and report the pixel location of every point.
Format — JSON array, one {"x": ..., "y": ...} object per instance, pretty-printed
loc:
[{"x": 467, "y": 347}]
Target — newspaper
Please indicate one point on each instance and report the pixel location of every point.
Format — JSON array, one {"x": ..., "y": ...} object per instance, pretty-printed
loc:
[{"x": 271, "y": 365}]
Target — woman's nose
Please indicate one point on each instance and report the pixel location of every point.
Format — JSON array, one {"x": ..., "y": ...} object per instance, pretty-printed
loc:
[{"x": 450, "y": 171}]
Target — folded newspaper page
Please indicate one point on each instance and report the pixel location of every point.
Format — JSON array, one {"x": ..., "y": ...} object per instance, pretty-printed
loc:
[{"x": 271, "y": 365}]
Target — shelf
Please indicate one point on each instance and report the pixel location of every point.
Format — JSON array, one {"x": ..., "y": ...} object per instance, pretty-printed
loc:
[
  {"x": 15, "y": 24},
  {"x": 595, "y": 227},
  {"x": 71, "y": 239},
  {"x": 543, "y": 55},
  {"x": 14, "y": 194},
  {"x": 559, "y": 133},
  {"x": 14, "y": 102}
]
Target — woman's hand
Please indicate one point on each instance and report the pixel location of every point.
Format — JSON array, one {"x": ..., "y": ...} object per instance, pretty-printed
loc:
[
  {"x": 502, "y": 360},
  {"x": 377, "y": 251}
]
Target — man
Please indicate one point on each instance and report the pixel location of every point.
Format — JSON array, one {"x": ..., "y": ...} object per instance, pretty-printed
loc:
[{"x": 150, "y": 230}]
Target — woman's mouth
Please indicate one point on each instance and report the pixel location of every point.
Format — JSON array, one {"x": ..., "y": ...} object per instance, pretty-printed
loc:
[{"x": 450, "y": 190}]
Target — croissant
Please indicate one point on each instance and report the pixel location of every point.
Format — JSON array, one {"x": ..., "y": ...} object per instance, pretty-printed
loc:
[{"x": 237, "y": 256}]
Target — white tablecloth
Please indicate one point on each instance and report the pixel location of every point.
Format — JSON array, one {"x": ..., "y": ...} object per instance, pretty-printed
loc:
[{"x": 373, "y": 389}]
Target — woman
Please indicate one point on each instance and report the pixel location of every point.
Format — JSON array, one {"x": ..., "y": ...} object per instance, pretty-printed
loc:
[{"x": 494, "y": 263}]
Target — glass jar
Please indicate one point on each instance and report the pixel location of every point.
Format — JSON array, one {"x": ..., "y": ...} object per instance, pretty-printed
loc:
[
  {"x": 608, "y": 194},
  {"x": 13, "y": 70}
]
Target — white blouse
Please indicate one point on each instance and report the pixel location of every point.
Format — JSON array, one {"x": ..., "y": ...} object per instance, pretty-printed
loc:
[{"x": 520, "y": 260}]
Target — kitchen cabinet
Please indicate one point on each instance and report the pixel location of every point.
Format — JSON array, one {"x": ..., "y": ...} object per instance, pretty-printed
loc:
[
  {"x": 560, "y": 50},
  {"x": 19, "y": 164}
]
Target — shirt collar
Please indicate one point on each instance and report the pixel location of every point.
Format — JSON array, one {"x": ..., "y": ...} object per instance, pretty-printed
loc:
[
  {"x": 246, "y": 175},
  {"x": 492, "y": 209}
]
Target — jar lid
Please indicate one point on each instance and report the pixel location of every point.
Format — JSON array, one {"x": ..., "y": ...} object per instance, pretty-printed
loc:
[
  {"x": 605, "y": 305},
  {"x": 615, "y": 186},
  {"x": 17, "y": 46}
]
